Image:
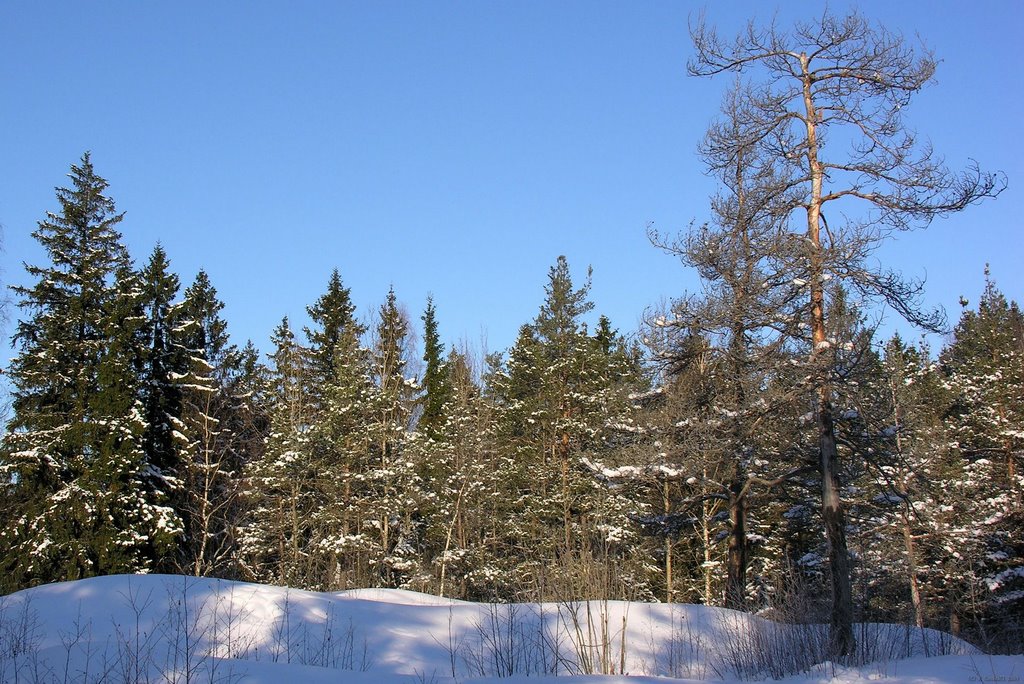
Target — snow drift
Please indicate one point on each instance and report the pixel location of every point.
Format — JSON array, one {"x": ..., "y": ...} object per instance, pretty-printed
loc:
[{"x": 153, "y": 628}]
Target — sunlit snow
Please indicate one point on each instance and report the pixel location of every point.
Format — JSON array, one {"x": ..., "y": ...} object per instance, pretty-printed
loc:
[{"x": 158, "y": 628}]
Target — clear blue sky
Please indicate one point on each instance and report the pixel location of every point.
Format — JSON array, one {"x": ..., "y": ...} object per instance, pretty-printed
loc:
[{"x": 448, "y": 147}]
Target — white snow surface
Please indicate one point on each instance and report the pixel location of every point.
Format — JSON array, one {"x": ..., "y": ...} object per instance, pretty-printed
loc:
[{"x": 163, "y": 628}]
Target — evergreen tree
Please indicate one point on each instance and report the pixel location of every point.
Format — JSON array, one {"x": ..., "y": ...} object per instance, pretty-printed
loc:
[
  {"x": 986, "y": 368},
  {"x": 211, "y": 431},
  {"x": 165, "y": 361},
  {"x": 557, "y": 396},
  {"x": 435, "y": 376},
  {"x": 314, "y": 481},
  {"x": 673, "y": 504},
  {"x": 914, "y": 499},
  {"x": 345, "y": 451},
  {"x": 560, "y": 334},
  {"x": 276, "y": 533},
  {"x": 339, "y": 440},
  {"x": 334, "y": 325},
  {"x": 985, "y": 373},
  {"x": 305, "y": 518},
  {"x": 205, "y": 332},
  {"x": 74, "y": 447},
  {"x": 393, "y": 487},
  {"x": 251, "y": 394},
  {"x": 467, "y": 504}
]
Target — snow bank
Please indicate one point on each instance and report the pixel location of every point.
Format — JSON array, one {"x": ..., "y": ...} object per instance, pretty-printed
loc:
[{"x": 176, "y": 629}]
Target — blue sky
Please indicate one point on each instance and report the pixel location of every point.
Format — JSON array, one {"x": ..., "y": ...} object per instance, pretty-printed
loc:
[{"x": 453, "y": 148}]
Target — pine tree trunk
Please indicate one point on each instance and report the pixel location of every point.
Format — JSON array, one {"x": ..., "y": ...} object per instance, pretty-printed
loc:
[
  {"x": 736, "y": 572},
  {"x": 915, "y": 587},
  {"x": 737, "y": 556},
  {"x": 706, "y": 533},
  {"x": 668, "y": 543},
  {"x": 448, "y": 537},
  {"x": 566, "y": 508},
  {"x": 1011, "y": 465},
  {"x": 1011, "y": 473},
  {"x": 295, "y": 533},
  {"x": 841, "y": 623},
  {"x": 908, "y": 536}
]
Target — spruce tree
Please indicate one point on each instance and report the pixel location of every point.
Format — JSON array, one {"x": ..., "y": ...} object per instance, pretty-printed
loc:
[
  {"x": 165, "y": 362},
  {"x": 466, "y": 510},
  {"x": 345, "y": 451},
  {"x": 986, "y": 368},
  {"x": 437, "y": 391},
  {"x": 276, "y": 534},
  {"x": 206, "y": 332},
  {"x": 557, "y": 396},
  {"x": 915, "y": 502},
  {"x": 212, "y": 454},
  {"x": 338, "y": 439},
  {"x": 560, "y": 333},
  {"x": 313, "y": 522},
  {"x": 985, "y": 373},
  {"x": 74, "y": 447},
  {"x": 333, "y": 317},
  {"x": 392, "y": 482}
]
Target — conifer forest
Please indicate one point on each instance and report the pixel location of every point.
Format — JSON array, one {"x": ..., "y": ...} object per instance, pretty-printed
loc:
[{"x": 756, "y": 445}]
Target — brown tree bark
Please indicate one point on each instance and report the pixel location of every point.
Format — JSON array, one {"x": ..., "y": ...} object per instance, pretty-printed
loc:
[
  {"x": 737, "y": 557},
  {"x": 832, "y": 514}
]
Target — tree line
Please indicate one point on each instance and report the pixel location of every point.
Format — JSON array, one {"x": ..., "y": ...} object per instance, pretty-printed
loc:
[{"x": 755, "y": 445}]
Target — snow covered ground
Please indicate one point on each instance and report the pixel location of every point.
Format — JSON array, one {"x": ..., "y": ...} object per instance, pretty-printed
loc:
[{"x": 153, "y": 628}]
